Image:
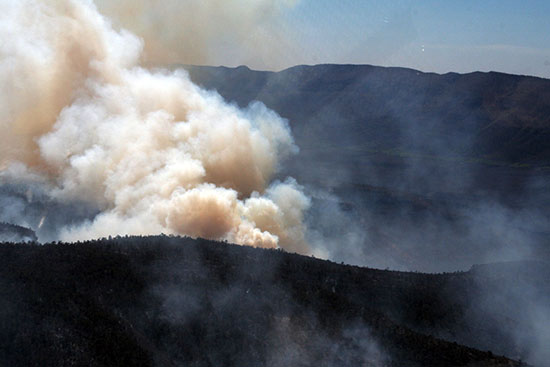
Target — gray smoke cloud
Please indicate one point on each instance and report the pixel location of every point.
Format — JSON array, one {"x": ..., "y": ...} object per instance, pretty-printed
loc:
[{"x": 151, "y": 151}]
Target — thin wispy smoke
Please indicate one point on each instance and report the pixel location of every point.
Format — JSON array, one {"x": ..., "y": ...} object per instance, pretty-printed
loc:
[
  {"x": 154, "y": 152},
  {"x": 233, "y": 32}
]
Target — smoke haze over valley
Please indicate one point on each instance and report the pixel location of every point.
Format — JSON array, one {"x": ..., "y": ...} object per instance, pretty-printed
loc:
[
  {"x": 427, "y": 172},
  {"x": 114, "y": 125}
]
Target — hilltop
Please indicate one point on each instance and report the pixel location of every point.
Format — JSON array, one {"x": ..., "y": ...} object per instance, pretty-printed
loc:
[{"x": 14, "y": 233}]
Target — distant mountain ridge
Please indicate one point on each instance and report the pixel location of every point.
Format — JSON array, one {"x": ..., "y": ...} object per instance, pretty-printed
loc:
[
  {"x": 505, "y": 117},
  {"x": 426, "y": 161}
]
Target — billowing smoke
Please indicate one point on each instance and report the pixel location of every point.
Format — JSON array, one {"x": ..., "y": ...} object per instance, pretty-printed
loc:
[
  {"x": 151, "y": 150},
  {"x": 231, "y": 32}
]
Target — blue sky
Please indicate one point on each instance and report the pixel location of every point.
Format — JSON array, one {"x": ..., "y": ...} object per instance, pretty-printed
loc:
[
  {"x": 510, "y": 36},
  {"x": 503, "y": 35}
]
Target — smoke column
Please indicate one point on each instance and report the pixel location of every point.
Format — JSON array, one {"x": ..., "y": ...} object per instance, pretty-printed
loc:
[{"x": 154, "y": 152}]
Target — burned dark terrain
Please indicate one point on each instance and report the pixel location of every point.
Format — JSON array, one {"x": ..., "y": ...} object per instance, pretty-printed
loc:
[{"x": 169, "y": 301}]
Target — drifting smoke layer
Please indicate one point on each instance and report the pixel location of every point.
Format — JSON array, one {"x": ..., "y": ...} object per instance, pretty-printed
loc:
[
  {"x": 152, "y": 150},
  {"x": 208, "y": 31}
]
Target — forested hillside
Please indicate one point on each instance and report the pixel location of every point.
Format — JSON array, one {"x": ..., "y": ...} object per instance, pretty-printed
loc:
[{"x": 171, "y": 301}]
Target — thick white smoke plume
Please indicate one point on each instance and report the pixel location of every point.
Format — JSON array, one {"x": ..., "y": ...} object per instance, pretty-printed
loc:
[{"x": 152, "y": 150}]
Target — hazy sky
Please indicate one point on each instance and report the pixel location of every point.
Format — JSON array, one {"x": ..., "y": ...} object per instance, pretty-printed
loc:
[
  {"x": 431, "y": 35},
  {"x": 504, "y": 35}
]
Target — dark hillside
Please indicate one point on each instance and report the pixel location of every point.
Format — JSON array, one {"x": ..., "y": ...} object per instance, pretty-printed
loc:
[
  {"x": 170, "y": 301},
  {"x": 13, "y": 233}
]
